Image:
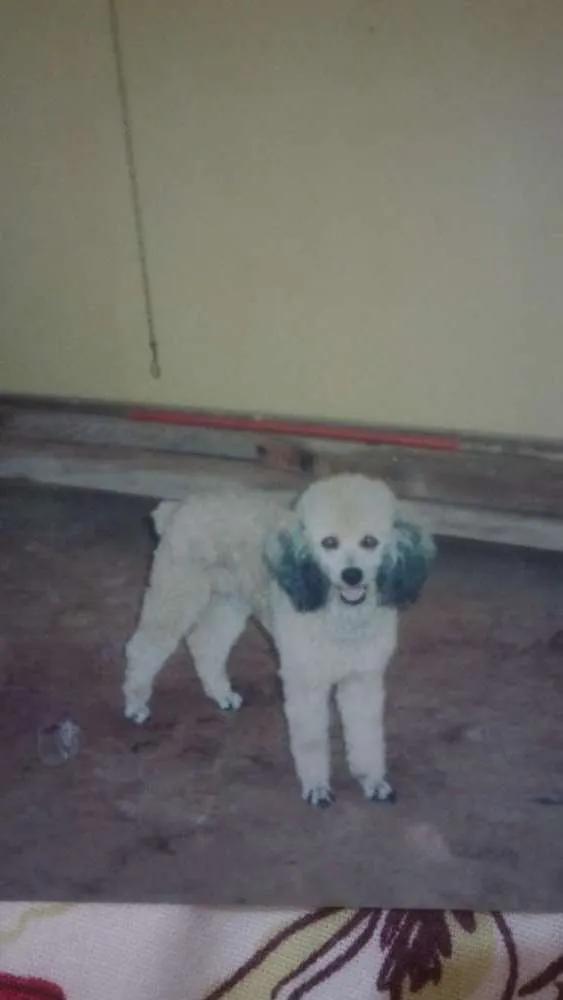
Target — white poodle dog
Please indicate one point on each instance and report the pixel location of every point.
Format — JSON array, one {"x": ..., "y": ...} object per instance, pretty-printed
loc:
[{"x": 325, "y": 577}]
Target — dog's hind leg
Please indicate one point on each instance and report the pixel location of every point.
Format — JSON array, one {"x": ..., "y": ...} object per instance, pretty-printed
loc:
[
  {"x": 210, "y": 643},
  {"x": 171, "y": 607}
]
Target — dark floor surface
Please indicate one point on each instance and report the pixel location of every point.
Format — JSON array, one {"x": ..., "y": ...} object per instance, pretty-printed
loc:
[{"x": 202, "y": 807}]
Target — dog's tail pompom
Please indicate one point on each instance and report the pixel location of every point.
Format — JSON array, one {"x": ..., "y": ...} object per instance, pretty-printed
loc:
[
  {"x": 405, "y": 565},
  {"x": 162, "y": 514}
]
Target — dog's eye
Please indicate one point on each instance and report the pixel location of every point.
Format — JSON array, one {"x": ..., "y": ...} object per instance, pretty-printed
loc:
[
  {"x": 330, "y": 542},
  {"x": 369, "y": 542}
]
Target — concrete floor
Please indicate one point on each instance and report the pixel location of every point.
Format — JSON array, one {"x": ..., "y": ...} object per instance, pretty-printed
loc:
[{"x": 201, "y": 807}]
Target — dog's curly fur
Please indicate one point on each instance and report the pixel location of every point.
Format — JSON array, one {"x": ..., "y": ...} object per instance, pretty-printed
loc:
[{"x": 326, "y": 577}]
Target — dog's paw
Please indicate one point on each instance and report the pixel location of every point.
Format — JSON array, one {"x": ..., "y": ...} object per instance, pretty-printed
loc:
[
  {"x": 380, "y": 792},
  {"x": 137, "y": 714},
  {"x": 230, "y": 702},
  {"x": 320, "y": 796}
]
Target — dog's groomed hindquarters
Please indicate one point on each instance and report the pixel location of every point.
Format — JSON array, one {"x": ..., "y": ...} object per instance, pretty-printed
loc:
[{"x": 326, "y": 579}]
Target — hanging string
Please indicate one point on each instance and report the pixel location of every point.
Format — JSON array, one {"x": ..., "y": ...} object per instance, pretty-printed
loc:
[{"x": 155, "y": 369}]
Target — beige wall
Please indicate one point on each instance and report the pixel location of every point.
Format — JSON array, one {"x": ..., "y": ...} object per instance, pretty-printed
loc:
[
  {"x": 353, "y": 210},
  {"x": 70, "y": 299}
]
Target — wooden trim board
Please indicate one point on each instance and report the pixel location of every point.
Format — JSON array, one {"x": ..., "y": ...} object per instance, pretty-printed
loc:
[
  {"x": 165, "y": 476},
  {"x": 524, "y": 484}
]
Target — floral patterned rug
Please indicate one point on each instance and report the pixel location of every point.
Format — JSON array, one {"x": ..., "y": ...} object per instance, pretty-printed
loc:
[{"x": 93, "y": 952}]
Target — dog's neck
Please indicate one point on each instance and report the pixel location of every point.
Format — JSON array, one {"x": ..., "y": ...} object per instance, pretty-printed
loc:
[{"x": 348, "y": 620}]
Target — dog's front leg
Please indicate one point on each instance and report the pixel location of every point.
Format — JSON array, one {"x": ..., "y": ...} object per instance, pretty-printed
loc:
[
  {"x": 361, "y": 701},
  {"x": 307, "y": 713}
]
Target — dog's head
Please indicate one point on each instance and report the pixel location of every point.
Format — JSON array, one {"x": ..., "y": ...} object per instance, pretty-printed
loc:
[{"x": 346, "y": 543}]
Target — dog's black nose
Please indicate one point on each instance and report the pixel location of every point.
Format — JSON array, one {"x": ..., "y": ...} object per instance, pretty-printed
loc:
[{"x": 352, "y": 576}]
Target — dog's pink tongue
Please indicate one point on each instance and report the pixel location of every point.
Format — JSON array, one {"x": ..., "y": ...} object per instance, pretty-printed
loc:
[{"x": 353, "y": 593}]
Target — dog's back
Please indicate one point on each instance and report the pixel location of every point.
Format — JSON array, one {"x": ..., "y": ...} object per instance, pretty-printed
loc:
[{"x": 219, "y": 537}]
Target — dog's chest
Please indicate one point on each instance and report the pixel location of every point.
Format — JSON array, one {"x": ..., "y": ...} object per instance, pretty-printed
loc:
[
  {"x": 335, "y": 642},
  {"x": 354, "y": 631}
]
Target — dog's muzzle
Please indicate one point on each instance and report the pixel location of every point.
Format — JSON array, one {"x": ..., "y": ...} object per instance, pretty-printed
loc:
[{"x": 352, "y": 588}]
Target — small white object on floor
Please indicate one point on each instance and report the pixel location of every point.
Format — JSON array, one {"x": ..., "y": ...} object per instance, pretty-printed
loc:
[{"x": 58, "y": 742}]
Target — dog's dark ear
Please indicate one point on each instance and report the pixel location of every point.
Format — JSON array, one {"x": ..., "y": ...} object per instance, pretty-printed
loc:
[
  {"x": 405, "y": 565},
  {"x": 292, "y": 565}
]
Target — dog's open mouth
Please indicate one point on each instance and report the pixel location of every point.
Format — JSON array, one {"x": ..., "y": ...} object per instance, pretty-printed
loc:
[{"x": 353, "y": 595}]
